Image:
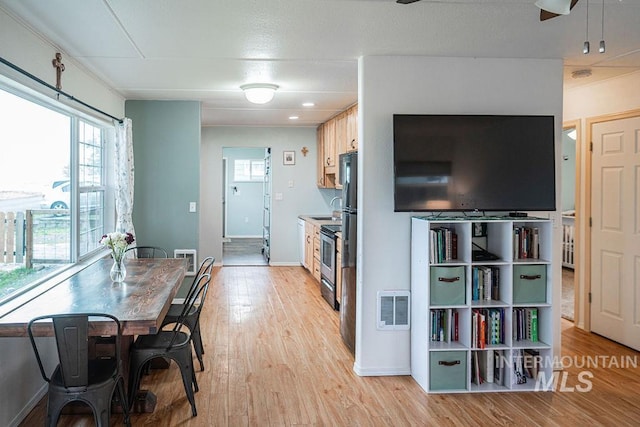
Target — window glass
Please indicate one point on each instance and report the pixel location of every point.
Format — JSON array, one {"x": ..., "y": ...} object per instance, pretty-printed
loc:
[
  {"x": 91, "y": 186},
  {"x": 42, "y": 198},
  {"x": 248, "y": 170}
]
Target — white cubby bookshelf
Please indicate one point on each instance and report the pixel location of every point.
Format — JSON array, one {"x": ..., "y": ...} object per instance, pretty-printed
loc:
[{"x": 525, "y": 284}]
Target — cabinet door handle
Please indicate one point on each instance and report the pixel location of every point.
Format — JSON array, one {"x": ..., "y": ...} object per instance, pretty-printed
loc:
[
  {"x": 448, "y": 279},
  {"x": 449, "y": 363},
  {"x": 528, "y": 277},
  {"x": 328, "y": 161}
]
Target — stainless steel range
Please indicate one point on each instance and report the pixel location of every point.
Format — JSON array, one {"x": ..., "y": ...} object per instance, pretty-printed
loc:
[{"x": 328, "y": 268}]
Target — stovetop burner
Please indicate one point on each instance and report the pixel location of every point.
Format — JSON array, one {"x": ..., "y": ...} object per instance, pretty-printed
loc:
[{"x": 333, "y": 228}]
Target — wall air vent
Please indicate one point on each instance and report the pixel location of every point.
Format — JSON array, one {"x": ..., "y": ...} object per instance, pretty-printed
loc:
[{"x": 393, "y": 310}]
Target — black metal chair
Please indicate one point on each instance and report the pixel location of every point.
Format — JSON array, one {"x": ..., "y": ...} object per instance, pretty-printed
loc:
[
  {"x": 148, "y": 252},
  {"x": 77, "y": 377},
  {"x": 191, "y": 320},
  {"x": 174, "y": 344}
]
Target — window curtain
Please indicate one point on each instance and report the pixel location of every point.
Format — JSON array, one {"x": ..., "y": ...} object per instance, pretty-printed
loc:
[{"x": 124, "y": 177}]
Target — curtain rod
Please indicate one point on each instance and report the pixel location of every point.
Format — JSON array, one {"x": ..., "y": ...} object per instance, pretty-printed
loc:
[{"x": 58, "y": 91}]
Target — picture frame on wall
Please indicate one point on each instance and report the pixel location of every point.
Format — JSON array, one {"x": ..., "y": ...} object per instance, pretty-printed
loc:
[
  {"x": 289, "y": 157},
  {"x": 192, "y": 259}
]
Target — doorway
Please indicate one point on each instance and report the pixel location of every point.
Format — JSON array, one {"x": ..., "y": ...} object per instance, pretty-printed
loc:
[
  {"x": 570, "y": 137},
  {"x": 245, "y": 205}
]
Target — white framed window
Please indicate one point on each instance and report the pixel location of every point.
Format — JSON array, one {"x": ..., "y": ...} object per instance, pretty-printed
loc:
[
  {"x": 53, "y": 187},
  {"x": 248, "y": 170}
]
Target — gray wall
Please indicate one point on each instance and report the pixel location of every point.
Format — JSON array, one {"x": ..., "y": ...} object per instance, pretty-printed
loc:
[
  {"x": 244, "y": 206},
  {"x": 302, "y": 197},
  {"x": 166, "y": 143},
  {"x": 429, "y": 85}
]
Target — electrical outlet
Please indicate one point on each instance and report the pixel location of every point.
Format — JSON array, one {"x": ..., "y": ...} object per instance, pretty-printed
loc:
[{"x": 192, "y": 206}]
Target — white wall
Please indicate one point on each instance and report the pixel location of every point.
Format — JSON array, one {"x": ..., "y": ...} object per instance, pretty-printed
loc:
[
  {"x": 20, "y": 382},
  {"x": 598, "y": 99},
  {"x": 302, "y": 198},
  {"x": 427, "y": 85}
]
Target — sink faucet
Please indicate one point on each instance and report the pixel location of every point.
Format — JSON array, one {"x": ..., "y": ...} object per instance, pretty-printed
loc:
[
  {"x": 335, "y": 215},
  {"x": 333, "y": 200}
]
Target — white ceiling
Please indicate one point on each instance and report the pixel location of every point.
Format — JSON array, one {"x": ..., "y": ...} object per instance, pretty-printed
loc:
[{"x": 205, "y": 49}]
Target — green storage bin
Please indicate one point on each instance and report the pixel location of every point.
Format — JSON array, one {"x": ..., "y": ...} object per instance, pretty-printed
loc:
[
  {"x": 447, "y": 286},
  {"x": 529, "y": 284},
  {"x": 447, "y": 370}
]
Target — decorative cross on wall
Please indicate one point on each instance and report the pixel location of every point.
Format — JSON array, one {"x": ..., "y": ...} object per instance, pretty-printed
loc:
[{"x": 59, "y": 66}]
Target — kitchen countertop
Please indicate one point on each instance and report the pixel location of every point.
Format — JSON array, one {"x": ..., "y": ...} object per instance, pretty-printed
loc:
[{"x": 319, "y": 220}]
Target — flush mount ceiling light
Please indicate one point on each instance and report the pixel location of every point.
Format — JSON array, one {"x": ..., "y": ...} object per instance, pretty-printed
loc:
[
  {"x": 259, "y": 93},
  {"x": 560, "y": 7}
]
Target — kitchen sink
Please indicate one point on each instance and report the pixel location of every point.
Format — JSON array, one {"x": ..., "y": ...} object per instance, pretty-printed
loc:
[{"x": 321, "y": 218}]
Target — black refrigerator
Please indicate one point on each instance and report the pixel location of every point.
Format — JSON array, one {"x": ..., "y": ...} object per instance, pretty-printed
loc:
[{"x": 349, "y": 181}]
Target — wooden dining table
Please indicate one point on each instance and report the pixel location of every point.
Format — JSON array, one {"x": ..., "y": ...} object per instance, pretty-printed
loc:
[{"x": 140, "y": 303}]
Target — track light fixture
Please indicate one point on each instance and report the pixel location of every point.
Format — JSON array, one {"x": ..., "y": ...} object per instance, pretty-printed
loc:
[
  {"x": 602, "y": 46},
  {"x": 585, "y": 46}
]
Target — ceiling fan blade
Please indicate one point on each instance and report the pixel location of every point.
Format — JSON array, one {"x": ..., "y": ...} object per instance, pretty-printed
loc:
[
  {"x": 406, "y": 1},
  {"x": 544, "y": 15}
]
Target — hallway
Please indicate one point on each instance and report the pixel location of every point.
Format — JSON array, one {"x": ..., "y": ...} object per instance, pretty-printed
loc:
[{"x": 243, "y": 251}]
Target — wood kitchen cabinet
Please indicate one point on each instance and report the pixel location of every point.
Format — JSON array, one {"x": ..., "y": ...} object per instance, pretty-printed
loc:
[
  {"x": 341, "y": 143},
  {"x": 326, "y": 163},
  {"x": 336, "y": 136},
  {"x": 352, "y": 129},
  {"x": 316, "y": 253},
  {"x": 308, "y": 246},
  {"x": 329, "y": 141}
]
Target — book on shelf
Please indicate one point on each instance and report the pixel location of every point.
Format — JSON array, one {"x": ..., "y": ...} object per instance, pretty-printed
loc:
[
  {"x": 476, "y": 378},
  {"x": 482, "y": 367},
  {"x": 526, "y": 242},
  {"x": 498, "y": 367},
  {"x": 443, "y": 245},
  {"x": 455, "y": 325},
  {"x": 444, "y": 325},
  {"x": 525, "y": 324},
  {"x": 518, "y": 376},
  {"x": 532, "y": 363},
  {"x": 487, "y": 357},
  {"x": 535, "y": 243},
  {"x": 487, "y": 327},
  {"x": 485, "y": 283}
]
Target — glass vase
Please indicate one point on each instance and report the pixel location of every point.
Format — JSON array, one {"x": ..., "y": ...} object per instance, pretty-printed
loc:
[{"x": 118, "y": 271}]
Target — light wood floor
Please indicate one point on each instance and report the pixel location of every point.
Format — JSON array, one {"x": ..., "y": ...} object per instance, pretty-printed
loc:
[{"x": 274, "y": 357}]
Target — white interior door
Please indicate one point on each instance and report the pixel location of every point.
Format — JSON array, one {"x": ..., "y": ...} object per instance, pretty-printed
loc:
[{"x": 615, "y": 231}]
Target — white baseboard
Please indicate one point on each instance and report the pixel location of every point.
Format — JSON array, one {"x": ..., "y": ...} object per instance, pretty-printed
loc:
[
  {"x": 380, "y": 372},
  {"x": 285, "y": 264},
  {"x": 15, "y": 422}
]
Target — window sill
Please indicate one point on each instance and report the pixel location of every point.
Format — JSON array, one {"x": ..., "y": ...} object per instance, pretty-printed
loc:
[{"x": 23, "y": 298}]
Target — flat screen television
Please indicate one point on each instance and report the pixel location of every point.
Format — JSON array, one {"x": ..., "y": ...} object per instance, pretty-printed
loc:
[{"x": 474, "y": 163}]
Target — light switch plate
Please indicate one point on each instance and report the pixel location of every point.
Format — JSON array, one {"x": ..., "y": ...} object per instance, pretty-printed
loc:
[
  {"x": 192, "y": 206},
  {"x": 278, "y": 196}
]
